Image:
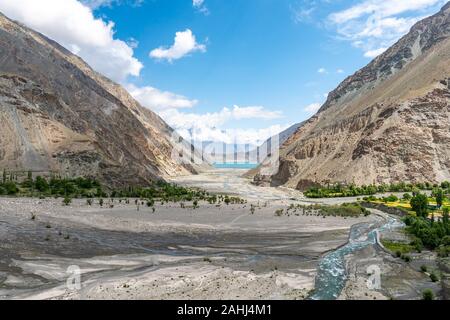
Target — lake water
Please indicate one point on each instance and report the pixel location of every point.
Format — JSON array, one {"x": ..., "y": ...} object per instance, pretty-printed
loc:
[{"x": 235, "y": 165}]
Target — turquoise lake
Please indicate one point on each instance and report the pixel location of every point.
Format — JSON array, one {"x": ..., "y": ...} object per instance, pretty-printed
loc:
[{"x": 235, "y": 165}]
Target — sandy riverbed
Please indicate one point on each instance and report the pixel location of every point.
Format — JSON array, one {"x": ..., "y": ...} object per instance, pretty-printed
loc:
[{"x": 211, "y": 252}]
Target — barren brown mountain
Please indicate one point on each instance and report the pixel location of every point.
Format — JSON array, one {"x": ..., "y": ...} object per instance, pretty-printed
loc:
[
  {"x": 388, "y": 122},
  {"x": 57, "y": 114}
]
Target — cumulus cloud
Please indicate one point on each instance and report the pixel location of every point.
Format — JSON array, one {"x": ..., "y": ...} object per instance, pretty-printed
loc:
[
  {"x": 74, "y": 26},
  {"x": 312, "y": 108},
  {"x": 208, "y": 126},
  {"x": 322, "y": 71},
  {"x": 254, "y": 137},
  {"x": 158, "y": 100},
  {"x": 374, "y": 25},
  {"x": 184, "y": 44},
  {"x": 214, "y": 119}
]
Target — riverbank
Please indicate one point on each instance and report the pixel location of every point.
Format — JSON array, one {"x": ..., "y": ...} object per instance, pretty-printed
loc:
[{"x": 375, "y": 273}]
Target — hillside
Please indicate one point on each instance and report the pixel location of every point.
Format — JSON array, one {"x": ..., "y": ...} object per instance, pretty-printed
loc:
[
  {"x": 388, "y": 122},
  {"x": 57, "y": 114}
]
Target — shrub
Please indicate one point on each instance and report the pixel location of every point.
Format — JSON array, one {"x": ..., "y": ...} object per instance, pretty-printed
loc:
[
  {"x": 427, "y": 294},
  {"x": 417, "y": 244},
  {"x": 10, "y": 188},
  {"x": 41, "y": 184},
  {"x": 391, "y": 198},
  {"x": 406, "y": 258},
  {"x": 407, "y": 196},
  {"x": 423, "y": 268},
  {"x": 434, "y": 277},
  {"x": 445, "y": 241},
  {"x": 443, "y": 251},
  {"x": 67, "y": 201}
]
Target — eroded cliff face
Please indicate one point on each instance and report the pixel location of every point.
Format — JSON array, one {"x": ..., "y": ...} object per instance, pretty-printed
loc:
[
  {"x": 388, "y": 122},
  {"x": 57, "y": 114}
]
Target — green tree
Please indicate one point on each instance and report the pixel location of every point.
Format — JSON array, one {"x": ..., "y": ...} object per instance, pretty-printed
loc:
[
  {"x": 439, "y": 194},
  {"x": 445, "y": 220},
  {"x": 419, "y": 204},
  {"x": 41, "y": 184},
  {"x": 11, "y": 188},
  {"x": 445, "y": 185}
]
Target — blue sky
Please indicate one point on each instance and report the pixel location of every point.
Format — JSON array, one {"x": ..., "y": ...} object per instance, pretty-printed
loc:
[{"x": 250, "y": 65}]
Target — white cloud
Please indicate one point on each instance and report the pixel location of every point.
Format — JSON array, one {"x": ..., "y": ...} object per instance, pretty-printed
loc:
[
  {"x": 200, "y": 6},
  {"x": 322, "y": 70},
  {"x": 74, "y": 26},
  {"x": 214, "y": 119},
  {"x": 257, "y": 112},
  {"x": 198, "y": 3},
  {"x": 374, "y": 53},
  {"x": 312, "y": 108},
  {"x": 208, "y": 126},
  {"x": 339, "y": 71},
  {"x": 158, "y": 100},
  {"x": 381, "y": 8},
  {"x": 373, "y": 25},
  {"x": 184, "y": 44},
  {"x": 133, "y": 43},
  {"x": 302, "y": 14},
  {"x": 95, "y": 4},
  {"x": 241, "y": 136}
]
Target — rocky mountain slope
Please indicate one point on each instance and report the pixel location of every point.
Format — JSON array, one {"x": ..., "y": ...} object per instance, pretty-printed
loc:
[
  {"x": 388, "y": 122},
  {"x": 57, "y": 114}
]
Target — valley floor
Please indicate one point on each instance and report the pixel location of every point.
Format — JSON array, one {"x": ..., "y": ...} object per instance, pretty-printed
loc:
[{"x": 212, "y": 252}]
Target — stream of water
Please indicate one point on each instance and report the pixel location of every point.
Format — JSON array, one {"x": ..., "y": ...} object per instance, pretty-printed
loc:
[{"x": 331, "y": 274}]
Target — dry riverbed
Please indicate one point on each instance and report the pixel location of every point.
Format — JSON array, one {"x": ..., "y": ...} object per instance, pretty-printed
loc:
[
  {"x": 125, "y": 251},
  {"x": 212, "y": 252}
]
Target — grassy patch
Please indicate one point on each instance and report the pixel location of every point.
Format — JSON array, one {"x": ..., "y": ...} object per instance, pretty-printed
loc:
[
  {"x": 343, "y": 210},
  {"x": 397, "y": 246}
]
